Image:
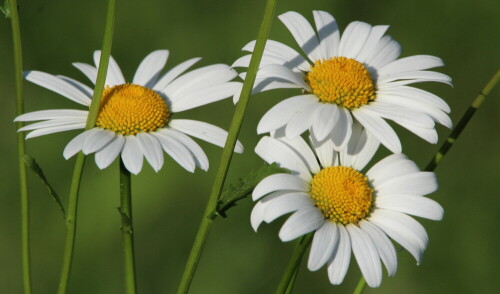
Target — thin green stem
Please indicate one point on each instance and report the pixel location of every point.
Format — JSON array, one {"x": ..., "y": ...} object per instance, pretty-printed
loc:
[
  {"x": 293, "y": 264},
  {"x": 463, "y": 122},
  {"x": 80, "y": 160},
  {"x": 127, "y": 229},
  {"x": 210, "y": 210},
  {"x": 21, "y": 147},
  {"x": 455, "y": 133},
  {"x": 360, "y": 287}
]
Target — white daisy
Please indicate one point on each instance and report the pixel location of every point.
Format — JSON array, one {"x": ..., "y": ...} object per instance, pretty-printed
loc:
[
  {"x": 357, "y": 75},
  {"x": 136, "y": 119},
  {"x": 345, "y": 208}
]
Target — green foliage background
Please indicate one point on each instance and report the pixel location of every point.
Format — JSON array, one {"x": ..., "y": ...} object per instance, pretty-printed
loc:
[{"x": 463, "y": 252}]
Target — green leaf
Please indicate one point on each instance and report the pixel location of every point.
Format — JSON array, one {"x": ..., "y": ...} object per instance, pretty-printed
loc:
[
  {"x": 6, "y": 8},
  {"x": 245, "y": 186},
  {"x": 33, "y": 165}
]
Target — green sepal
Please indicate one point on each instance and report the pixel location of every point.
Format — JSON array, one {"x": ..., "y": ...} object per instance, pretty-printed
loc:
[
  {"x": 244, "y": 187},
  {"x": 6, "y": 8},
  {"x": 35, "y": 167}
]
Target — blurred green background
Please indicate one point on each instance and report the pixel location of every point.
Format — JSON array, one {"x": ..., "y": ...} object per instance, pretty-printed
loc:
[{"x": 463, "y": 252}]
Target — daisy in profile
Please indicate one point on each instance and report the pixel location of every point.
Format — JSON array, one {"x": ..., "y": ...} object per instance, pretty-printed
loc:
[
  {"x": 346, "y": 209},
  {"x": 353, "y": 77},
  {"x": 136, "y": 119}
]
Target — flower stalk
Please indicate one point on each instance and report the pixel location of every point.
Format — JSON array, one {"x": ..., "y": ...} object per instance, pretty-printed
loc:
[
  {"x": 241, "y": 106},
  {"x": 21, "y": 147},
  {"x": 80, "y": 160}
]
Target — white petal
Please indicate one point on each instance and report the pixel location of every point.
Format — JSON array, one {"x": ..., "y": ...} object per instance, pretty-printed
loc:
[
  {"x": 277, "y": 182},
  {"x": 403, "y": 229},
  {"x": 410, "y": 63},
  {"x": 379, "y": 129},
  {"x": 303, "y": 34},
  {"x": 75, "y": 145},
  {"x": 302, "y": 120},
  {"x": 360, "y": 149},
  {"x": 277, "y": 53},
  {"x": 203, "y": 131},
  {"x": 384, "y": 246},
  {"x": 199, "y": 156},
  {"x": 369, "y": 49},
  {"x": 354, "y": 38},
  {"x": 300, "y": 223},
  {"x": 415, "y": 94},
  {"x": 270, "y": 83},
  {"x": 323, "y": 245},
  {"x": 400, "y": 115},
  {"x": 148, "y": 71},
  {"x": 411, "y": 204},
  {"x": 176, "y": 150},
  {"x": 419, "y": 183},
  {"x": 392, "y": 166},
  {"x": 204, "y": 96},
  {"x": 97, "y": 140},
  {"x": 337, "y": 268},
  {"x": 342, "y": 130},
  {"x": 303, "y": 150},
  {"x": 325, "y": 120},
  {"x": 81, "y": 86},
  {"x": 281, "y": 113},
  {"x": 417, "y": 76},
  {"x": 56, "y": 129},
  {"x": 273, "y": 150},
  {"x": 366, "y": 255},
  {"x": 105, "y": 156},
  {"x": 282, "y": 72},
  {"x": 88, "y": 70},
  {"x": 174, "y": 73},
  {"x": 114, "y": 75},
  {"x": 285, "y": 203},
  {"x": 53, "y": 114},
  {"x": 58, "y": 85},
  {"x": 324, "y": 150},
  {"x": 52, "y": 123},
  {"x": 328, "y": 32},
  {"x": 386, "y": 51},
  {"x": 200, "y": 78},
  {"x": 257, "y": 215},
  {"x": 151, "y": 148},
  {"x": 132, "y": 155}
]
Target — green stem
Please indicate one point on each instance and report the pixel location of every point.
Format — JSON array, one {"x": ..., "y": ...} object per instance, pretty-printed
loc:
[
  {"x": 455, "y": 133},
  {"x": 210, "y": 210},
  {"x": 360, "y": 287},
  {"x": 80, "y": 160},
  {"x": 463, "y": 122},
  {"x": 127, "y": 229},
  {"x": 286, "y": 283},
  {"x": 21, "y": 147}
]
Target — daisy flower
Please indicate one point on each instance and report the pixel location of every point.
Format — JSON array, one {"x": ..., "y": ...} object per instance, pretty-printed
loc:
[
  {"x": 136, "y": 119},
  {"x": 345, "y": 208},
  {"x": 356, "y": 77}
]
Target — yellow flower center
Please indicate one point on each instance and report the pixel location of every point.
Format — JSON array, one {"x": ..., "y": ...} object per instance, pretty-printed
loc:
[
  {"x": 343, "y": 81},
  {"x": 131, "y": 109},
  {"x": 342, "y": 194}
]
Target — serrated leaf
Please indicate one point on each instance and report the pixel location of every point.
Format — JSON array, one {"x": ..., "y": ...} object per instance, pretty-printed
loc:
[
  {"x": 6, "y": 8},
  {"x": 35, "y": 167},
  {"x": 245, "y": 187}
]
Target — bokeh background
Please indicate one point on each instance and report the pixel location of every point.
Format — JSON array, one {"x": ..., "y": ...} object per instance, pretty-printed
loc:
[{"x": 463, "y": 254}]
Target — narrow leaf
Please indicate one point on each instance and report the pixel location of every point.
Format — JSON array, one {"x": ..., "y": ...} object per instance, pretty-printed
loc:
[
  {"x": 6, "y": 9},
  {"x": 245, "y": 186},
  {"x": 33, "y": 165}
]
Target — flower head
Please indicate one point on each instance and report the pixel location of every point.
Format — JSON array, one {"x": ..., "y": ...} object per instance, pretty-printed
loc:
[
  {"x": 136, "y": 119},
  {"x": 353, "y": 77},
  {"x": 346, "y": 209}
]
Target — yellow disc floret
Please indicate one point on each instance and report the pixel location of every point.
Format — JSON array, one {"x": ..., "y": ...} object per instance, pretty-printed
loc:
[
  {"x": 343, "y": 81},
  {"x": 131, "y": 109},
  {"x": 342, "y": 194}
]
